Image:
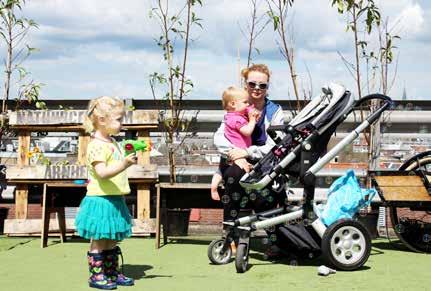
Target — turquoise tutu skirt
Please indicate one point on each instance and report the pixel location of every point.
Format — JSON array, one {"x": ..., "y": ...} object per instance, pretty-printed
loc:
[{"x": 104, "y": 217}]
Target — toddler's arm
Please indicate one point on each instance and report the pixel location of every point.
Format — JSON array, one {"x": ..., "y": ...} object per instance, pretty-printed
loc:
[
  {"x": 247, "y": 130},
  {"x": 105, "y": 172}
]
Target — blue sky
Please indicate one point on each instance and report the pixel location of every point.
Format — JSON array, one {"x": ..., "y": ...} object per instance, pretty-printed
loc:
[{"x": 98, "y": 47}]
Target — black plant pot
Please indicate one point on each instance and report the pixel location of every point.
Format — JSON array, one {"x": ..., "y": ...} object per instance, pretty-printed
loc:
[
  {"x": 3, "y": 216},
  {"x": 370, "y": 222},
  {"x": 178, "y": 222}
]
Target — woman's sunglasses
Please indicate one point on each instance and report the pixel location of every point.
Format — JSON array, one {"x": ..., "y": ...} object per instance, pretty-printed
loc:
[{"x": 254, "y": 85}]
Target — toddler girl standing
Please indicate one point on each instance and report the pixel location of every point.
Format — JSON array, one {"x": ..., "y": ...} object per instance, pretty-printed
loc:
[{"x": 103, "y": 215}]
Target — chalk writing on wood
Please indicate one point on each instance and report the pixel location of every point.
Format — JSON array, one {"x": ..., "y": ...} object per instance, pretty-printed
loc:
[
  {"x": 71, "y": 172},
  {"x": 56, "y": 117},
  {"x": 66, "y": 172}
]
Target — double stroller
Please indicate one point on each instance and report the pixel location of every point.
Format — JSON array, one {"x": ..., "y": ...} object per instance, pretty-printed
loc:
[{"x": 298, "y": 154}]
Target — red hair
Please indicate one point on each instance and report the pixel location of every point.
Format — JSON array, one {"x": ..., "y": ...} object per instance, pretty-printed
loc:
[{"x": 255, "y": 68}]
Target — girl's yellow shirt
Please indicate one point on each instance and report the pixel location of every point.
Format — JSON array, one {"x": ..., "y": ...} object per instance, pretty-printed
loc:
[{"x": 109, "y": 153}]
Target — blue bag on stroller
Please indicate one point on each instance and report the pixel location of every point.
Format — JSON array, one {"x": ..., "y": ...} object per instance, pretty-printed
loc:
[{"x": 345, "y": 198}]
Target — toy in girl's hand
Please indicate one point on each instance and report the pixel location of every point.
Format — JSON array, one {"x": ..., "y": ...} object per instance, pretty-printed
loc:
[{"x": 132, "y": 146}]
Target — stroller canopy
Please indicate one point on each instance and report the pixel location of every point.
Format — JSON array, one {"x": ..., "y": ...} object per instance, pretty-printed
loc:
[{"x": 325, "y": 109}]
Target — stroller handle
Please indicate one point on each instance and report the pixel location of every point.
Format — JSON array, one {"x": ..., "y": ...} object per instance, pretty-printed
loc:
[
  {"x": 388, "y": 104},
  {"x": 373, "y": 96}
]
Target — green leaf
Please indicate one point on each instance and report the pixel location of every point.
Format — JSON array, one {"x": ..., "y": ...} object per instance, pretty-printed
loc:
[
  {"x": 276, "y": 21},
  {"x": 340, "y": 6}
]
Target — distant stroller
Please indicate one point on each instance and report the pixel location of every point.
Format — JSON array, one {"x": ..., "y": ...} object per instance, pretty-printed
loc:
[{"x": 299, "y": 153}]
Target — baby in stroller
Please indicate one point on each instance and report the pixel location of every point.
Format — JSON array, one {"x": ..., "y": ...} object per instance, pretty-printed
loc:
[{"x": 300, "y": 154}]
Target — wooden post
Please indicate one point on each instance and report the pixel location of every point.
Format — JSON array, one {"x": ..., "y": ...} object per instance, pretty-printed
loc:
[
  {"x": 144, "y": 157},
  {"x": 23, "y": 148},
  {"x": 158, "y": 217},
  {"x": 83, "y": 141},
  {"x": 143, "y": 201},
  {"x": 21, "y": 193},
  {"x": 21, "y": 201},
  {"x": 45, "y": 219}
]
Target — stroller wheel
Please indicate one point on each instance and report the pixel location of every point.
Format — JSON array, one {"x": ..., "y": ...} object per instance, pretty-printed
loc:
[
  {"x": 346, "y": 245},
  {"x": 215, "y": 253},
  {"x": 241, "y": 258}
]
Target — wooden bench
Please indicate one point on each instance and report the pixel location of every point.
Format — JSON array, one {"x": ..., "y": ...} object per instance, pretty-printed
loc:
[
  {"x": 402, "y": 188},
  {"x": 48, "y": 207},
  {"x": 144, "y": 175}
]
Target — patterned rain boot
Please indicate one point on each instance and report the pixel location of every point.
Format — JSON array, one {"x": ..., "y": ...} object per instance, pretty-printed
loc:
[
  {"x": 98, "y": 279},
  {"x": 112, "y": 267}
]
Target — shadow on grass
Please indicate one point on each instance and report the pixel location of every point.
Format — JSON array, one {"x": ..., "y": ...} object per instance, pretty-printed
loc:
[
  {"x": 68, "y": 240},
  {"x": 295, "y": 261},
  {"x": 137, "y": 272},
  {"x": 376, "y": 251},
  {"x": 191, "y": 241},
  {"x": 10, "y": 245},
  {"x": 287, "y": 259},
  {"x": 393, "y": 245}
]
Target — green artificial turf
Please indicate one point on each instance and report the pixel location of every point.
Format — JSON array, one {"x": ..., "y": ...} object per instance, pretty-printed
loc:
[{"x": 183, "y": 265}]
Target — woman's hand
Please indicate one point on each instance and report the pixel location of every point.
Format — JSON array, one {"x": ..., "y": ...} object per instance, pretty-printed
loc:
[
  {"x": 243, "y": 164},
  {"x": 235, "y": 154}
]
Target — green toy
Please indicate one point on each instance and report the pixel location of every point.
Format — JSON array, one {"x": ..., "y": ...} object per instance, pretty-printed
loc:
[{"x": 132, "y": 146}]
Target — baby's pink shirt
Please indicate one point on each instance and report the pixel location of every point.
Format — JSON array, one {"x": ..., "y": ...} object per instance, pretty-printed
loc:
[{"x": 233, "y": 122}]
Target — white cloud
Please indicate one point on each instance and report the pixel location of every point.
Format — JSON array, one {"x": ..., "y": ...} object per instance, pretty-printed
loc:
[
  {"x": 90, "y": 48},
  {"x": 412, "y": 21}
]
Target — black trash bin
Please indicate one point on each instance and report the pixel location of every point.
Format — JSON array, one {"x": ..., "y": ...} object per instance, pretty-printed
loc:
[
  {"x": 3, "y": 216},
  {"x": 370, "y": 220},
  {"x": 178, "y": 222}
]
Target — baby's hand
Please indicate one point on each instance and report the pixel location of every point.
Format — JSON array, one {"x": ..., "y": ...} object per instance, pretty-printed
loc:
[
  {"x": 131, "y": 159},
  {"x": 253, "y": 115}
]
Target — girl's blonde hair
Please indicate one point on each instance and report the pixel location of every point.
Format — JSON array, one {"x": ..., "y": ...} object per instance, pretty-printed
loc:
[
  {"x": 103, "y": 106},
  {"x": 232, "y": 93},
  {"x": 255, "y": 68}
]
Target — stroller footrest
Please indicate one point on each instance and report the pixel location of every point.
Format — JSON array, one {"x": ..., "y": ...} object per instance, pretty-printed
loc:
[{"x": 256, "y": 186}]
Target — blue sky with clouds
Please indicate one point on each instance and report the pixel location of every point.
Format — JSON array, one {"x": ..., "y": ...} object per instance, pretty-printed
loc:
[{"x": 106, "y": 47}]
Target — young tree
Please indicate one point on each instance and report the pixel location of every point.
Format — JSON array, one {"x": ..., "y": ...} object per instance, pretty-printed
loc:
[
  {"x": 386, "y": 57},
  {"x": 254, "y": 28},
  {"x": 13, "y": 32},
  {"x": 277, "y": 12},
  {"x": 175, "y": 27},
  {"x": 362, "y": 16},
  {"x": 383, "y": 60}
]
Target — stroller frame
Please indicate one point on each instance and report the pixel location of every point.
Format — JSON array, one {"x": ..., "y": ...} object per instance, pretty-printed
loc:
[{"x": 219, "y": 251}]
